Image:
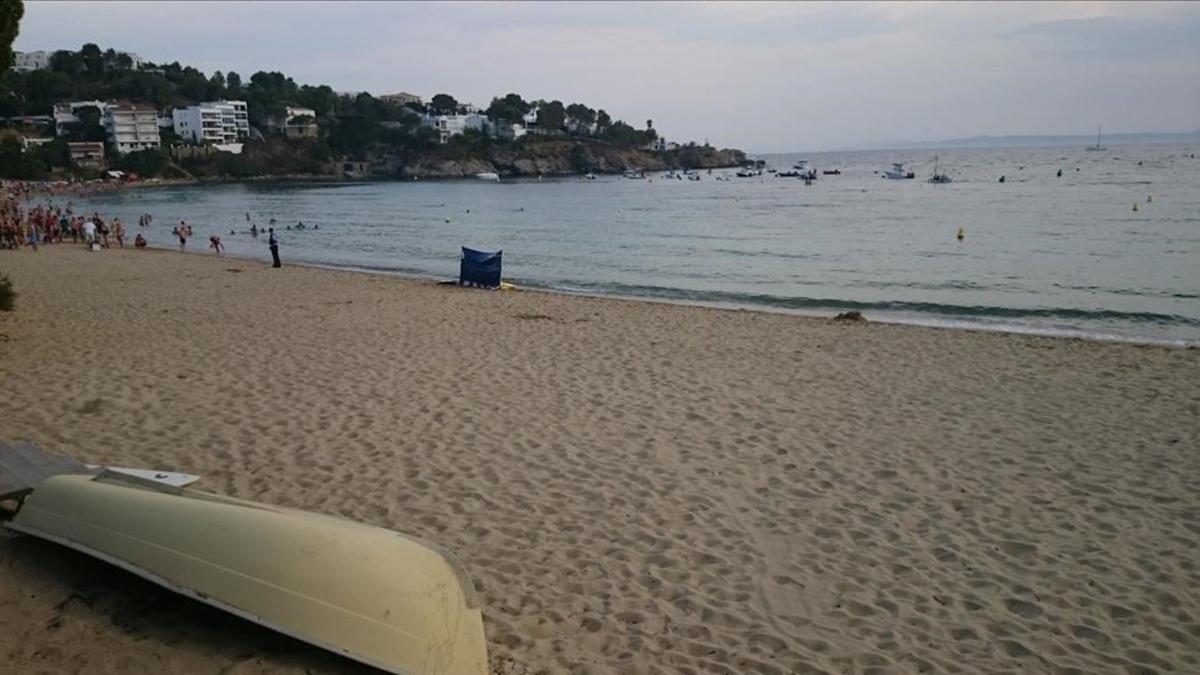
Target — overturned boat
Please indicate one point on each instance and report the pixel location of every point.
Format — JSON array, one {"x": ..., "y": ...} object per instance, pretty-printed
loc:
[{"x": 376, "y": 596}]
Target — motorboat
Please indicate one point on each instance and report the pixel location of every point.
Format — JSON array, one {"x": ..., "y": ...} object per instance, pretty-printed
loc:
[
  {"x": 832, "y": 172},
  {"x": 801, "y": 165},
  {"x": 788, "y": 174},
  {"x": 636, "y": 174},
  {"x": 749, "y": 172},
  {"x": 488, "y": 175},
  {"x": 386, "y": 599},
  {"x": 589, "y": 176},
  {"x": 897, "y": 172}
]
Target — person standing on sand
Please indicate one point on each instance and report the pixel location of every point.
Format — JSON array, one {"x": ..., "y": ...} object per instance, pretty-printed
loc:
[
  {"x": 119, "y": 232},
  {"x": 273, "y": 242}
]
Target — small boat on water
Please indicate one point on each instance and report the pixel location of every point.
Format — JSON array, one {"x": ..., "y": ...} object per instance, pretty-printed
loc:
[
  {"x": 377, "y": 596},
  {"x": 832, "y": 172},
  {"x": 636, "y": 174},
  {"x": 897, "y": 172},
  {"x": 1097, "y": 147},
  {"x": 589, "y": 176},
  {"x": 488, "y": 175},
  {"x": 788, "y": 174},
  {"x": 939, "y": 178},
  {"x": 801, "y": 165}
]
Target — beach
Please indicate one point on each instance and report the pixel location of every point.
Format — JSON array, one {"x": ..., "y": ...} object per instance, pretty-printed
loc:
[{"x": 634, "y": 487}]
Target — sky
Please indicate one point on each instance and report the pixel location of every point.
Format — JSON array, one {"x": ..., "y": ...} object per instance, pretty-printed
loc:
[{"x": 760, "y": 76}]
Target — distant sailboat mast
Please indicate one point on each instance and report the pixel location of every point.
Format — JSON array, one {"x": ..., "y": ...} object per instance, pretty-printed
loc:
[{"x": 1097, "y": 146}]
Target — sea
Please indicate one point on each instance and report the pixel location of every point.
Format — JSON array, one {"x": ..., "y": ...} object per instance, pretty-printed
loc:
[{"x": 1109, "y": 249}]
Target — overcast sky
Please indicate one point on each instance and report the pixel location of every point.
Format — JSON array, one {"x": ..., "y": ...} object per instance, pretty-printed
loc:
[{"x": 759, "y": 76}]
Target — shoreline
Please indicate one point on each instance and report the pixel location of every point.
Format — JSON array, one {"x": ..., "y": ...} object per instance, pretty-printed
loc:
[
  {"x": 628, "y": 483},
  {"x": 932, "y": 322}
]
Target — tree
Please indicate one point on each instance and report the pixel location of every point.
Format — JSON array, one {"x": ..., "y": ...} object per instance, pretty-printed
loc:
[
  {"x": 580, "y": 116},
  {"x": 603, "y": 121},
  {"x": 193, "y": 85},
  {"x": 579, "y": 159},
  {"x": 649, "y": 124},
  {"x": 93, "y": 59},
  {"x": 67, "y": 62},
  {"x": 443, "y": 103},
  {"x": 552, "y": 116},
  {"x": 321, "y": 99},
  {"x": 216, "y": 87},
  {"x": 511, "y": 108},
  {"x": 89, "y": 127},
  {"x": 145, "y": 163},
  {"x": 11, "y": 12},
  {"x": 233, "y": 84},
  {"x": 16, "y": 163}
]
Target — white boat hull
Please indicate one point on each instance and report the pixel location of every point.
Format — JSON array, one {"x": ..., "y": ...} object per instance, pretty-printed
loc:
[{"x": 374, "y": 595}]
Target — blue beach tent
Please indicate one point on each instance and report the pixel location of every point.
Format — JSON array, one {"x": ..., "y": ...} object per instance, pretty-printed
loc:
[{"x": 479, "y": 268}]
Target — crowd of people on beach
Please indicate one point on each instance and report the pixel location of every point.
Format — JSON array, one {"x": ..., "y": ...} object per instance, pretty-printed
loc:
[
  {"x": 27, "y": 222},
  {"x": 49, "y": 223}
]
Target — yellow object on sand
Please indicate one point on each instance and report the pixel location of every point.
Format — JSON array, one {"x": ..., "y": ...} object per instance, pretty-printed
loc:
[
  {"x": 506, "y": 286},
  {"x": 377, "y": 596}
]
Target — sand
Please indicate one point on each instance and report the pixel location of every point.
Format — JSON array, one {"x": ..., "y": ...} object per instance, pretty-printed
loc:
[{"x": 635, "y": 487}]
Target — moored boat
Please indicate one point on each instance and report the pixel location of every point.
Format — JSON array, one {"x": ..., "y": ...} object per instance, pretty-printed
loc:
[
  {"x": 488, "y": 175},
  {"x": 939, "y": 178}
]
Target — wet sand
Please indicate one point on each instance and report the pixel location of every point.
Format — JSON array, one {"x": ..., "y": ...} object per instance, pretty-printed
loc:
[{"x": 634, "y": 487}]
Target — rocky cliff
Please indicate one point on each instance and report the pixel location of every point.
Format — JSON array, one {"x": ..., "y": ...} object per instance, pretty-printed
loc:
[{"x": 558, "y": 157}]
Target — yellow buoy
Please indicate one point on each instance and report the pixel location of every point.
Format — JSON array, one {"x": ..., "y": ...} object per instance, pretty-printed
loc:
[{"x": 961, "y": 234}]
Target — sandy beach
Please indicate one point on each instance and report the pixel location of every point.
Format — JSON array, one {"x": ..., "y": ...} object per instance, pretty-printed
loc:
[{"x": 634, "y": 487}]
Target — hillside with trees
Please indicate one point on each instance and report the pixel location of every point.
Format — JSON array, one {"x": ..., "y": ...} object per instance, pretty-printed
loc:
[{"x": 562, "y": 138}]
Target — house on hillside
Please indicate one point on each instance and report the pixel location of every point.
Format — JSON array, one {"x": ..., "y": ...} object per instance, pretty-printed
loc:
[
  {"x": 129, "y": 127},
  {"x": 132, "y": 128},
  {"x": 65, "y": 113},
  {"x": 355, "y": 168},
  {"x": 509, "y": 131},
  {"x": 220, "y": 123},
  {"x": 295, "y": 123},
  {"x": 448, "y": 126},
  {"x": 24, "y": 62},
  {"x": 401, "y": 98},
  {"x": 87, "y": 155}
]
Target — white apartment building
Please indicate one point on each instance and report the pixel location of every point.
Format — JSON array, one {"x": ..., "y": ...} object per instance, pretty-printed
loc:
[
  {"x": 213, "y": 122},
  {"x": 129, "y": 127},
  {"x": 132, "y": 128},
  {"x": 24, "y": 62},
  {"x": 453, "y": 125}
]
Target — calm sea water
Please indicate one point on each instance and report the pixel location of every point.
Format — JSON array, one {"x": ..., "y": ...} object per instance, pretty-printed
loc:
[{"x": 1041, "y": 253}]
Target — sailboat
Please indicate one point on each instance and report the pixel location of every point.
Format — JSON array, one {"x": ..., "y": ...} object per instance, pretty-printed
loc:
[
  {"x": 1097, "y": 146},
  {"x": 939, "y": 178}
]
